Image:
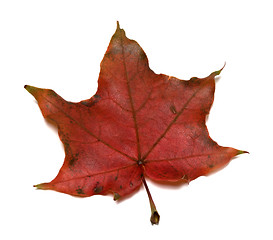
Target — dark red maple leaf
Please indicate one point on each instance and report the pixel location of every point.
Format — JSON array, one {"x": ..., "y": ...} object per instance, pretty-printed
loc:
[{"x": 139, "y": 124}]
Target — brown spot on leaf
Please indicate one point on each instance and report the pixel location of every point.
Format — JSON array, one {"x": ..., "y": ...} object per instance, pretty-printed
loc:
[
  {"x": 173, "y": 109},
  {"x": 194, "y": 79},
  {"x": 73, "y": 160},
  {"x": 52, "y": 93},
  {"x": 211, "y": 165},
  {"x": 90, "y": 102},
  {"x": 80, "y": 191},
  {"x": 97, "y": 189}
]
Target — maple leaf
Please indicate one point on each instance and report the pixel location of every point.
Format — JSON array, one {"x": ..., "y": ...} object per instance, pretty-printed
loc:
[{"x": 139, "y": 124}]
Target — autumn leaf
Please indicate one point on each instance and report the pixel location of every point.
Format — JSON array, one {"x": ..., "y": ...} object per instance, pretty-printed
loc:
[{"x": 139, "y": 124}]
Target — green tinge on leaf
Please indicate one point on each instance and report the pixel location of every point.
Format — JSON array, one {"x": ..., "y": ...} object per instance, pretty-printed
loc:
[
  {"x": 30, "y": 89},
  {"x": 116, "y": 196},
  {"x": 41, "y": 186},
  {"x": 219, "y": 71},
  {"x": 241, "y": 152}
]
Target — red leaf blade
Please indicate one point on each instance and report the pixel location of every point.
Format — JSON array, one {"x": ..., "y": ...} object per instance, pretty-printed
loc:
[{"x": 137, "y": 124}]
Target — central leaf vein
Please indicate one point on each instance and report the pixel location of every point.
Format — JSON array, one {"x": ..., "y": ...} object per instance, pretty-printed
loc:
[{"x": 131, "y": 100}]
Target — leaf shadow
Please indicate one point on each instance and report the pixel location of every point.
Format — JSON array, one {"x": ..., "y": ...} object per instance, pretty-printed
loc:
[
  {"x": 170, "y": 185},
  {"x": 49, "y": 123},
  {"x": 217, "y": 79}
]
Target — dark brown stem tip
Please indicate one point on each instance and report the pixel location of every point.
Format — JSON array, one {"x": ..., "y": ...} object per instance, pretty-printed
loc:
[{"x": 155, "y": 218}]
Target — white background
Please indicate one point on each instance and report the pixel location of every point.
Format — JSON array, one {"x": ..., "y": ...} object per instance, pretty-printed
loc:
[{"x": 59, "y": 45}]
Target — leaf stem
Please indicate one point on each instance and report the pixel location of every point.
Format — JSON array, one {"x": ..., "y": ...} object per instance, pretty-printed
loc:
[{"x": 154, "y": 214}]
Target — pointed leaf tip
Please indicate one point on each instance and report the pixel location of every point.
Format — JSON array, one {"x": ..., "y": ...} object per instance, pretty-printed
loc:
[
  {"x": 30, "y": 89},
  {"x": 27, "y": 87},
  {"x": 219, "y": 71},
  {"x": 119, "y": 31},
  {"x": 241, "y": 152},
  {"x": 41, "y": 186}
]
